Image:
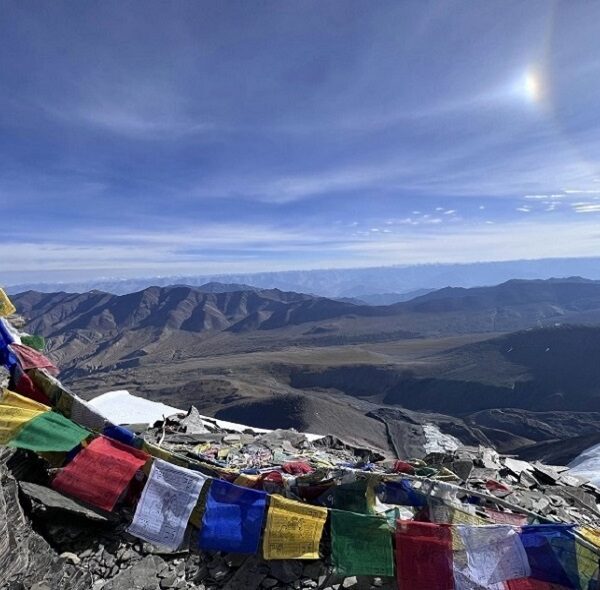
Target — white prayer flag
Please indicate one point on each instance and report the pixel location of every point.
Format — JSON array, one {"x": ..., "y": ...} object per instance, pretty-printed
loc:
[
  {"x": 166, "y": 504},
  {"x": 494, "y": 554}
]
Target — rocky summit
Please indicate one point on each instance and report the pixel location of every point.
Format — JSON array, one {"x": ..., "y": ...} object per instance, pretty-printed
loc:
[{"x": 49, "y": 541}]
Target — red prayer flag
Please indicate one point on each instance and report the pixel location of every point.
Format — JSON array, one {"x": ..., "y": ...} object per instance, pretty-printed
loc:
[
  {"x": 297, "y": 468},
  {"x": 25, "y": 386},
  {"x": 403, "y": 467},
  {"x": 531, "y": 584},
  {"x": 32, "y": 359},
  {"x": 100, "y": 472},
  {"x": 424, "y": 556}
]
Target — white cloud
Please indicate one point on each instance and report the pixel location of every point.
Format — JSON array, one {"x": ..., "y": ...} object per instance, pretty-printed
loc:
[
  {"x": 222, "y": 248},
  {"x": 586, "y": 207},
  {"x": 524, "y": 209}
]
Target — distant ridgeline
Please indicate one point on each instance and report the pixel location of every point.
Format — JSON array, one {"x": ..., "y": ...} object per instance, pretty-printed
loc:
[{"x": 369, "y": 519}]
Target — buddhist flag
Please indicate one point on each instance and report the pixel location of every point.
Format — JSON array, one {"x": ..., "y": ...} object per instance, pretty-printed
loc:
[
  {"x": 166, "y": 504},
  {"x": 494, "y": 554},
  {"x": 400, "y": 492},
  {"x": 353, "y": 496},
  {"x": 424, "y": 556},
  {"x": 591, "y": 535},
  {"x": 13, "y": 418},
  {"x": 100, "y": 473},
  {"x": 32, "y": 359},
  {"x": 86, "y": 415},
  {"x": 293, "y": 529},
  {"x": 587, "y": 565},
  {"x": 361, "y": 544},
  {"x": 533, "y": 584},
  {"x": 552, "y": 553},
  {"x": 10, "y": 398},
  {"x": 49, "y": 432},
  {"x": 233, "y": 518},
  {"x": 6, "y": 306}
]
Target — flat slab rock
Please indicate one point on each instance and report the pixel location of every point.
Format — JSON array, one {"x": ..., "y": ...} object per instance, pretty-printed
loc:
[
  {"x": 56, "y": 501},
  {"x": 144, "y": 575}
]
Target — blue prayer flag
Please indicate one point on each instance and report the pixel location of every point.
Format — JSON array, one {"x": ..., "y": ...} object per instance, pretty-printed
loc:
[
  {"x": 233, "y": 518},
  {"x": 121, "y": 434},
  {"x": 401, "y": 493},
  {"x": 552, "y": 553}
]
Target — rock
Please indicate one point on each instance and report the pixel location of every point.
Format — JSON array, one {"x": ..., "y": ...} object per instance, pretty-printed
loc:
[
  {"x": 269, "y": 583},
  {"x": 313, "y": 570},
  {"x": 168, "y": 582},
  {"x": 249, "y": 576},
  {"x": 286, "y": 571},
  {"x": 351, "y": 582},
  {"x": 70, "y": 557},
  {"x": 219, "y": 573},
  {"x": 25, "y": 557},
  {"x": 52, "y": 500},
  {"x": 143, "y": 575}
]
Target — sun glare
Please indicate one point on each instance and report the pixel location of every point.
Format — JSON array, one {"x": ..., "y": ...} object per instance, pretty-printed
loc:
[{"x": 532, "y": 86}]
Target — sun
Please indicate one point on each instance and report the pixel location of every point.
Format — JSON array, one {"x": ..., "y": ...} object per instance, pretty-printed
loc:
[{"x": 532, "y": 86}]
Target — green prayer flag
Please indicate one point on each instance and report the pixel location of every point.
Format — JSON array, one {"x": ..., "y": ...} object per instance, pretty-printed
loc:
[
  {"x": 361, "y": 544},
  {"x": 49, "y": 432},
  {"x": 348, "y": 496},
  {"x": 34, "y": 341}
]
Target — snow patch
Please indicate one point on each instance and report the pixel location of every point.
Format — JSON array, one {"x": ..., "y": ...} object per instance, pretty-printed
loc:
[
  {"x": 121, "y": 407},
  {"x": 437, "y": 441},
  {"x": 587, "y": 465}
]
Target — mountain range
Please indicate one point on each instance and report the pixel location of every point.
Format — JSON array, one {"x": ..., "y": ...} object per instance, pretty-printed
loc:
[
  {"x": 361, "y": 283},
  {"x": 512, "y": 365}
]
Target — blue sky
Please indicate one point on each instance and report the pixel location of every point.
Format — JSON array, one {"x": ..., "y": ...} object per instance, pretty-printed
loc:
[{"x": 143, "y": 138}]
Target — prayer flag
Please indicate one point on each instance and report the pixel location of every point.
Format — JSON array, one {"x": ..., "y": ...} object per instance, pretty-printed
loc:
[
  {"x": 293, "y": 530},
  {"x": 13, "y": 418},
  {"x": 10, "y": 398},
  {"x": 495, "y": 554},
  {"x": 86, "y": 415},
  {"x": 31, "y": 359},
  {"x": 49, "y": 432},
  {"x": 532, "y": 584},
  {"x": 401, "y": 493},
  {"x": 587, "y": 566},
  {"x": 424, "y": 556},
  {"x": 50, "y": 386},
  {"x": 6, "y": 306},
  {"x": 121, "y": 434},
  {"x": 347, "y": 496},
  {"x": 361, "y": 544},
  {"x": 100, "y": 473},
  {"x": 233, "y": 518},
  {"x": 33, "y": 341},
  {"x": 26, "y": 387},
  {"x": 551, "y": 553},
  {"x": 591, "y": 535},
  {"x": 166, "y": 504}
]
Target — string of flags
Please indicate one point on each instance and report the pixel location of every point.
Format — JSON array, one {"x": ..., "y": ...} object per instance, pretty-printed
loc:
[{"x": 362, "y": 524}]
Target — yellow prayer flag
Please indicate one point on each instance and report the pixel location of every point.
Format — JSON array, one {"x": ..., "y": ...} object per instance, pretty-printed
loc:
[
  {"x": 293, "y": 529},
  {"x": 6, "y": 306},
  {"x": 591, "y": 535},
  {"x": 458, "y": 516},
  {"x": 12, "y": 419},
  {"x": 10, "y": 398},
  {"x": 246, "y": 481},
  {"x": 587, "y": 564}
]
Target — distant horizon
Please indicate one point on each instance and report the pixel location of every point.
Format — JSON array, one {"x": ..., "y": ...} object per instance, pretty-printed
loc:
[
  {"x": 116, "y": 277},
  {"x": 344, "y": 281}
]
